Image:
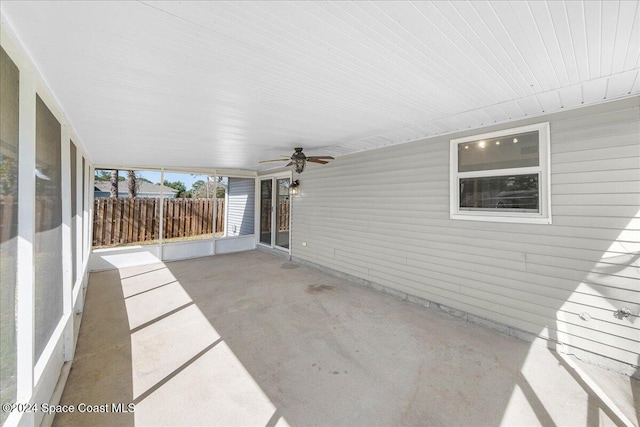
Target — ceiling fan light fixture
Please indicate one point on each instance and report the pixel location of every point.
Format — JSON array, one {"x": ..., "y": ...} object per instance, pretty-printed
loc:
[{"x": 299, "y": 165}]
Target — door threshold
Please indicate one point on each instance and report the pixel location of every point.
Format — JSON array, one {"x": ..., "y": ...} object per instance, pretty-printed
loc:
[{"x": 280, "y": 252}]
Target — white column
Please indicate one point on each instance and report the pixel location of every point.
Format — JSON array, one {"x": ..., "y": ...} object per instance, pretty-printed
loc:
[
  {"x": 225, "y": 221},
  {"x": 77, "y": 170},
  {"x": 257, "y": 199},
  {"x": 87, "y": 212},
  {"x": 67, "y": 262},
  {"x": 215, "y": 208},
  {"x": 25, "y": 289},
  {"x": 161, "y": 224}
]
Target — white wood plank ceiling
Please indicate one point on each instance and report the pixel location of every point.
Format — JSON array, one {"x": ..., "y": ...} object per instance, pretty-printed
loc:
[{"x": 226, "y": 84}]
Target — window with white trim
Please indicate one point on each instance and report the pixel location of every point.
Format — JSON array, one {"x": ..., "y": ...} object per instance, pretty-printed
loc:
[{"x": 502, "y": 176}]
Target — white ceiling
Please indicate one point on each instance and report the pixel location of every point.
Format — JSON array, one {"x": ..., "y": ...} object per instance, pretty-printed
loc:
[{"x": 226, "y": 84}]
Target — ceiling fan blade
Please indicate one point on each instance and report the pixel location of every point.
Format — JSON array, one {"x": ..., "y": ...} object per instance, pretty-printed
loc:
[
  {"x": 315, "y": 160},
  {"x": 274, "y": 160},
  {"x": 320, "y": 157}
]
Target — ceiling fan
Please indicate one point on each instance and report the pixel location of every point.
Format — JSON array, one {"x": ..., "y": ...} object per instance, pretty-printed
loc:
[{"x": 299, "y": 160}]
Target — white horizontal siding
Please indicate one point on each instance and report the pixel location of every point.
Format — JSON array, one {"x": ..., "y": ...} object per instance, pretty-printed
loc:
[
  {"x": 383, "y": 216},
  {"x": 241, "y": 200}
]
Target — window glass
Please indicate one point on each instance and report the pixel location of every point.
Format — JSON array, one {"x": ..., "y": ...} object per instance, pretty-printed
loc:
[
  {"x": 518, "y": 192},
  {"x": 9, "y": 111},
  {"x": 283, "y": 204},
  {"x": 48, "y": 227},
  {"x": 265, "y": 210},
  {"x": 504, "y": 152}
]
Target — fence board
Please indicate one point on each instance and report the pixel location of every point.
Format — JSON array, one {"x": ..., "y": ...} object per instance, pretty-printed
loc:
[
  {"x": 197, "y": 221},
  {"x": 182, "y": 219},
  {"x": 109, "y": 225},
  {"x": 155, "y": 214},
  {"x": 175, "y": 215},
  {"x": 147, "y": 222},
  {"x": 150, "y": 219},
  {"x": 136, "y": 219},
  {"x": 97, "y": 222},
  {"x": 117, "y": 224},
  {"x": 187, "y": 219},
  {"x": 206, "y": 222},
  {"x": 130, "y": 208},
  {"x": 168, "y": 219}
]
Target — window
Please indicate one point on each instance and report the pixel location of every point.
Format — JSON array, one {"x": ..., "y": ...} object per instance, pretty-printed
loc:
[{"x": 502, "y": 176}]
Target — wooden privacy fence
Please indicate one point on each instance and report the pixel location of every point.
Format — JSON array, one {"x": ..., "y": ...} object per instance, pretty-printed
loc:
[{"x": 118, "y": 221}]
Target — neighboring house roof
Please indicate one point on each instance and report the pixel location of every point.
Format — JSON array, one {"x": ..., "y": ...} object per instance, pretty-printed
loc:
[{"x": 143, "y": 187}]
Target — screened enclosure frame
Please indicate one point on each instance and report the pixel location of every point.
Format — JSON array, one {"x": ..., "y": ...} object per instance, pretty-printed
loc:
[
  {"x": 205, "y": 246},
  {"x": 40, "y": 356}
]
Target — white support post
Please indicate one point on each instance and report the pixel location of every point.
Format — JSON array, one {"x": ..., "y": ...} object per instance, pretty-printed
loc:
[
  {"x": 290, "y": 212},
  {"x": 257, "y": 210},
  {"x": 77, "y": 169},
  {"x": 160, "y": 225},
  {"x": 87, "y": 212},
  {"x": 225, "y": 220},
  {"x": 215, "y": 208},
  {"x": 67, "y": 262},
  {"x": 26, "y": 232}
]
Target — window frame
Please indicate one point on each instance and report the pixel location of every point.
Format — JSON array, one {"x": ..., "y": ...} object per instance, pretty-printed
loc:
[{"x": 543, "y": 216}]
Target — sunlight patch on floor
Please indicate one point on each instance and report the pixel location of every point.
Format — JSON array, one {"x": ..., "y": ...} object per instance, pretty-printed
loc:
[
  {"x": 535, "y": 398},
  {"x": 158, "y": 275},
  {"x": 215, "y": 389},
  {"x": 182, "y": 370},
  {"x": 518, "y": 410},
  {"x": 148, "y": 306}
]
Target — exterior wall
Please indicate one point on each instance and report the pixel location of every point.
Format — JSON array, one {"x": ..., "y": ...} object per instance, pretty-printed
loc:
[
  {"x": 383, "y": 217},
  {"x": 241, "y": 205}
]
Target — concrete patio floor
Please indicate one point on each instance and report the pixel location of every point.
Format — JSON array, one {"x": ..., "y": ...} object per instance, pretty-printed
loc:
[{"x": 250, "y": 339}]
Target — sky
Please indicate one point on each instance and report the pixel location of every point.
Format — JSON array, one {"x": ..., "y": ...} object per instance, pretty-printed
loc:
[{"x": 154, "y": 176}]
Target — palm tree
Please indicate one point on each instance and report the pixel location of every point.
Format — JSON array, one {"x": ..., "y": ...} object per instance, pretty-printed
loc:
[
  {"x": 113, "y": 179},
  {"x": 131, "y": 184}
]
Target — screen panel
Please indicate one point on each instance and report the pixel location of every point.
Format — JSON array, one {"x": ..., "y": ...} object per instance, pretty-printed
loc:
[
  {"x": 48, "y": 227},
  {"x": 9, "y": 119}
]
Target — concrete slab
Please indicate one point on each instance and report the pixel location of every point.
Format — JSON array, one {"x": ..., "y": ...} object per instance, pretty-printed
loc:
[{"x": 252, "y": 339}]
